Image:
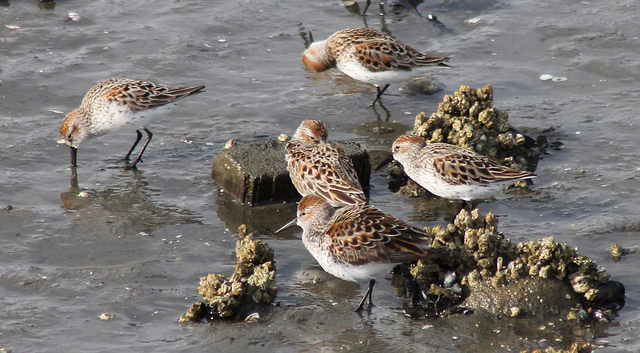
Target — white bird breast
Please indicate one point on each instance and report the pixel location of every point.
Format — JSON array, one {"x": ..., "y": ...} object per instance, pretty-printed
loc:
[{"x": 114, "y": 116}]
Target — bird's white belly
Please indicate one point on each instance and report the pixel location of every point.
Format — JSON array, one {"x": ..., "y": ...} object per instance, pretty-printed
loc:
[
  {"x": 344, "y": 270},
  {"x": 432, "y": 182},
  {"x": 114, "y": 116},
  {"x": 358, "y": 72}
]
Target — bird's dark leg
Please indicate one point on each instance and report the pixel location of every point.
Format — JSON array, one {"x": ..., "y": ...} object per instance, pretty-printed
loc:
[
  {"x": 366, "y": 7},
  {"x": 380, "y": 92},
  {"x": 144, "y": 147},
  {"x": 126, "y": 158},
  {"x": 369, "y": 294}
]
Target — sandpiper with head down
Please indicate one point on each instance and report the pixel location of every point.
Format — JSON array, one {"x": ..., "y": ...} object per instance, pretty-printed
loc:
[
  {"x": 367, "y": 55},
  {"x": 317, "y": 167},
  {"x": 359, "y": 243},
  {"x": 451, "y": 171},
  {"x": 114, "y": 103}
]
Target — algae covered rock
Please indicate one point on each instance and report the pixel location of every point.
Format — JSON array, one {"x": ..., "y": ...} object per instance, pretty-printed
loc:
[
  {"x": 485, "y": 270},
  {"x": 251, "y": 286}
]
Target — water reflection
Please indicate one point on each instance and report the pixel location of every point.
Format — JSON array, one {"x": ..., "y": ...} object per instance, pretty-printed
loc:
[
  {"x": 263, "y": 219},
  {"x": 125, "y": 206}
]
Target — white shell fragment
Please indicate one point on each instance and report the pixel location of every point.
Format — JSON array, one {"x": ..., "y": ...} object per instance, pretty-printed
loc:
[
  {"x": 252, "y": 317},
  {"x": 547, "y": 77},
  {"x": 73, "y": 16},
  {"x": 473, "y": 20}
]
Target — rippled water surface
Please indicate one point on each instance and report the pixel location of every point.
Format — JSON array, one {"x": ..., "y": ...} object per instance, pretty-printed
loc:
[{"x": 137, "y": 242}]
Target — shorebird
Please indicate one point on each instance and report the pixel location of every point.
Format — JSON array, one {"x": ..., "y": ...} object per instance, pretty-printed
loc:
[
  {"x": 451, "y": 171},
  {"x": 317, "y": 167},
  {"x": 114, "y": 103},
  {"x": 358, "y": 242},
  {"x": 367, "y": 55}
]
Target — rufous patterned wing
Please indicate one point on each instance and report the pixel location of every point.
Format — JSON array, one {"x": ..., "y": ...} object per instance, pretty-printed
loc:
[
  {"x": 362, "y": 234},
  {"x": 470, "y": 168},
  {"x": 317, "y": 172},
  {"x": 141, "y": 95}
]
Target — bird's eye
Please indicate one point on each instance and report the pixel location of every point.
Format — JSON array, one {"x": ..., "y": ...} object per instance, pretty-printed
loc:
[
  {"x": 70, "y": 137},
  {"x": 396, "y": 147}
]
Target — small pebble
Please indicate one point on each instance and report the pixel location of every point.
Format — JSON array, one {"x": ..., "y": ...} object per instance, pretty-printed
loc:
[
  {"x": 615, "y": 250},
  {"x": 106, "y": 316}
]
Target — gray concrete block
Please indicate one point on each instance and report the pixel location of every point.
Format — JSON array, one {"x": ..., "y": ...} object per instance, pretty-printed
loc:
[{"x": 256, "y": 172}]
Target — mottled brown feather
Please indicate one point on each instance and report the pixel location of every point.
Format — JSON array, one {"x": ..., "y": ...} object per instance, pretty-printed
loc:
[
  {"x": 463, "y": 168},
  {"x": 325, "y": 170},
  {"x": 361, "y": 234}
]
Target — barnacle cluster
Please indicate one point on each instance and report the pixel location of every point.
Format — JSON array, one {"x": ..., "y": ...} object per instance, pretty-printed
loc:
[
  {"x": 514, "y": 278},
  {"x": 252, "y": 284}
]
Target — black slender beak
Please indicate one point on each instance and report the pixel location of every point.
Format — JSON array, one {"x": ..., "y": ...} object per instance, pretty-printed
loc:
[
  {"x": 74, "y": 156},
  {"x": 289, "y": 224},
  {"x": 310, "y": 36},
  {"x": 385, "y": 162}
]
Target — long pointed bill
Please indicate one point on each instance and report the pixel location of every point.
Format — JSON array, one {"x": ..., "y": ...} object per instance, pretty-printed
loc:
[
  {"x": 385, "y": 162},
  {"x": 289, "y": 224},
  {"x": 310, "y": 36},
  {"x": 74, "y": 156}
]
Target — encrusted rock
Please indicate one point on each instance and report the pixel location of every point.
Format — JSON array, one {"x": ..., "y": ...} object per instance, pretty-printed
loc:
[
  {"x": 256, "y": 172},
  {"x": 540, "y": 278},
  {"x": 252, "y": 284}
]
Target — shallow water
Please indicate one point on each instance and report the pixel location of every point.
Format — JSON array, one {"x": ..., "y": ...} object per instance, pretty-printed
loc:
[{"x": 137, "y": 244}]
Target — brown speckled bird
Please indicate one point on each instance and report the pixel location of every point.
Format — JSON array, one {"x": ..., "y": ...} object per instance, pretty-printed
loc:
[
  {"x": 450, "y": 171},
  {"x": 114, "y": 103},
  {"x": 359, "y": 243},
  {"x": 367, "y": 55},
  {"x": 317, "y": 167}
]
